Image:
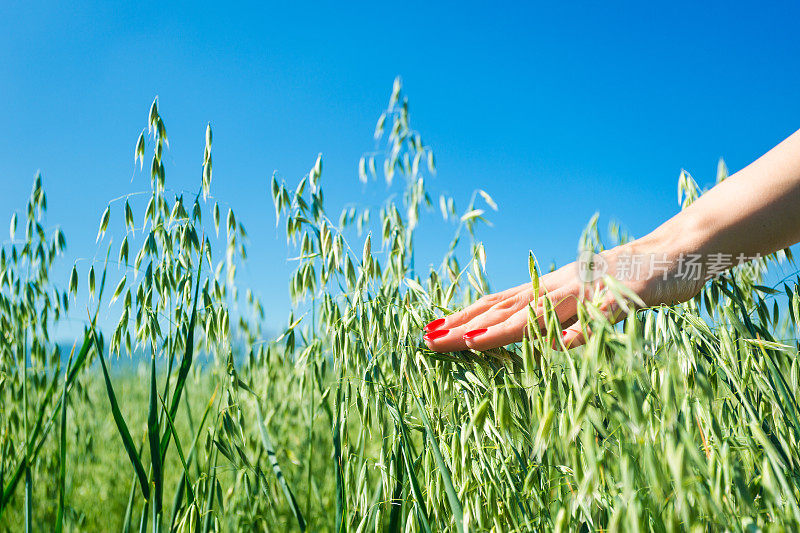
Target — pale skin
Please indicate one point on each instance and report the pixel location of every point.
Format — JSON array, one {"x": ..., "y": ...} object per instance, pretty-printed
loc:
[{"x": 756, "y": 211}]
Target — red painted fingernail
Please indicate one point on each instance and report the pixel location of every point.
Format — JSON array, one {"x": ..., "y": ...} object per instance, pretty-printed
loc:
[
  {"x": 474, "y": 333},
  {"x": 564, "y": 333},
  {"x": 433, "y": 326},
  {"x": 436, "y": 334}
]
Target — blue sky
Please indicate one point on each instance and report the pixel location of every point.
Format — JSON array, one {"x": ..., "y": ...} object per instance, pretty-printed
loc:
[{"x": 558, "y": 110}]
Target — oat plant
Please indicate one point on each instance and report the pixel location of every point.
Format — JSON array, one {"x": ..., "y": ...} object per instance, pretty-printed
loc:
[{"x": 679, "y": 418}]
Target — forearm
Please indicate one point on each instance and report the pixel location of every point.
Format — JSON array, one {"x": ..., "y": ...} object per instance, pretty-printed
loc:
[{"x": 755, "y": 211}]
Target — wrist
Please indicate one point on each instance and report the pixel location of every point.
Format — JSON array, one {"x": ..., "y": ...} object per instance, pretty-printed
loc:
[
  {"x": 667, "y": 265},
  {"x": 681, "y": 235}
]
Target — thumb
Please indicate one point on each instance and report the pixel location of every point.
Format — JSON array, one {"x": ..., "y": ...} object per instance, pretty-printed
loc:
[{"x": 576, "y": 335}]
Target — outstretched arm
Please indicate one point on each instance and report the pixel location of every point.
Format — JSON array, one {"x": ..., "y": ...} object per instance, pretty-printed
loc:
[{"x": 754, "y": 212}]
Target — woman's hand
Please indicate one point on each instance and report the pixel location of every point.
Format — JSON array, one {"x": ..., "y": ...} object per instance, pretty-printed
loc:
[
  {"x": 754, "y": 212},
  {"x": 653, "y": 267}
]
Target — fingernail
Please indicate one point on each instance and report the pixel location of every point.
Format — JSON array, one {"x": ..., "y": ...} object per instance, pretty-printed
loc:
[
  {"x": 474, "y": 333},
  {"x": 433, "y": 326},
  {"x": 564, "y": 333},
  {"x": 436, "y": 334}
]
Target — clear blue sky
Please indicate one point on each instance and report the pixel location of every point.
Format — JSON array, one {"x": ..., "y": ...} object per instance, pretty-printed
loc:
[{"x": 558, "y": 110}]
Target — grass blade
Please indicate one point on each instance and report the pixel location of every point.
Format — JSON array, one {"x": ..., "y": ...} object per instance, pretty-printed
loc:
[
  {"x": 337, "y": 459},
  {"x": 186, "y": 362},
  {"x": 126, "y": 523},
  {"x": 212, "y": 482},
  {"x": 396, "y": 503},
  {"x": 62, "y": 450},
  {"x": 143, "y": 519},
  {"x": 183, "y": 483},
  {"x": 9, "y": 488},
  {"x": 84, "y": 351},
  {"x": 28, "y": 497},
  {"x": 452, "y": 495},
  {"x": 176, "y": 502},
  {"x": 187, "y": 476},
  {"x": 422, "y": 512},
  {"x": 276, "y": 468},
  {"x": 122, "y": 427},
  {"x": 155, "y": 450},
  {"x": 408, "y": 460}
]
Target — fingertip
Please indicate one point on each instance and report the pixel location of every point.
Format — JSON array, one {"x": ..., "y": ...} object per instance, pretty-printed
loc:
[
  {"x": 434, "y": 325},
  {"x": 472, "y": 338},
  {"x": 572, "y": 338},
  {"x": 474, "y": 333},
  {"x": 444, "y": 340},
  {"x": 436, "y": 334},
  {"x": 492, "y": 337}
]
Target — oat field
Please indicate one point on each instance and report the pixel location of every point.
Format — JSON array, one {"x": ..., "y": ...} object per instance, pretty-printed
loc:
[{"x": 680, "y": 418}]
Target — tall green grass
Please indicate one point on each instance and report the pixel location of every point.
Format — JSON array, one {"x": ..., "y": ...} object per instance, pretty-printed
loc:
[{"x": 681, "y": 418}]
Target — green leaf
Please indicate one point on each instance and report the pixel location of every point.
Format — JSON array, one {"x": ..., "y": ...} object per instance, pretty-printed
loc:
[
  {"x": 186, "y": 362},
  {"x": 153, "y": 434},
  {"x": 269, "y": 448},
  {"x": 122, "y": 427},
  {"x": 444, "y": 471},
  {"x": 186, "y": 473},
  {"x": 62, "y": 449}
]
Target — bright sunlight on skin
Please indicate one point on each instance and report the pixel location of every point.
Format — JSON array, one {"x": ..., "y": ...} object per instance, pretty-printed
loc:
[{"x": 766, "y": 219}]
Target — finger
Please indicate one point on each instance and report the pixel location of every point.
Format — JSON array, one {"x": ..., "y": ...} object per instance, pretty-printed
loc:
[
  {"x": 568, "y": 322},
  {"x": 497, "y": 335},
  {"x": 501, "y": 322},
  {"x": 505, "y": 309},
  {"x": 575, "y": 335},
  {"x": 447, "y": 335},
  {"x": 469, "y": 312},
  {"x": 559, "y": 278},
  {"x": 453, "y": 339},
  {"x": 499, "y": 312},
  {"x": 512, "y": 329}
]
